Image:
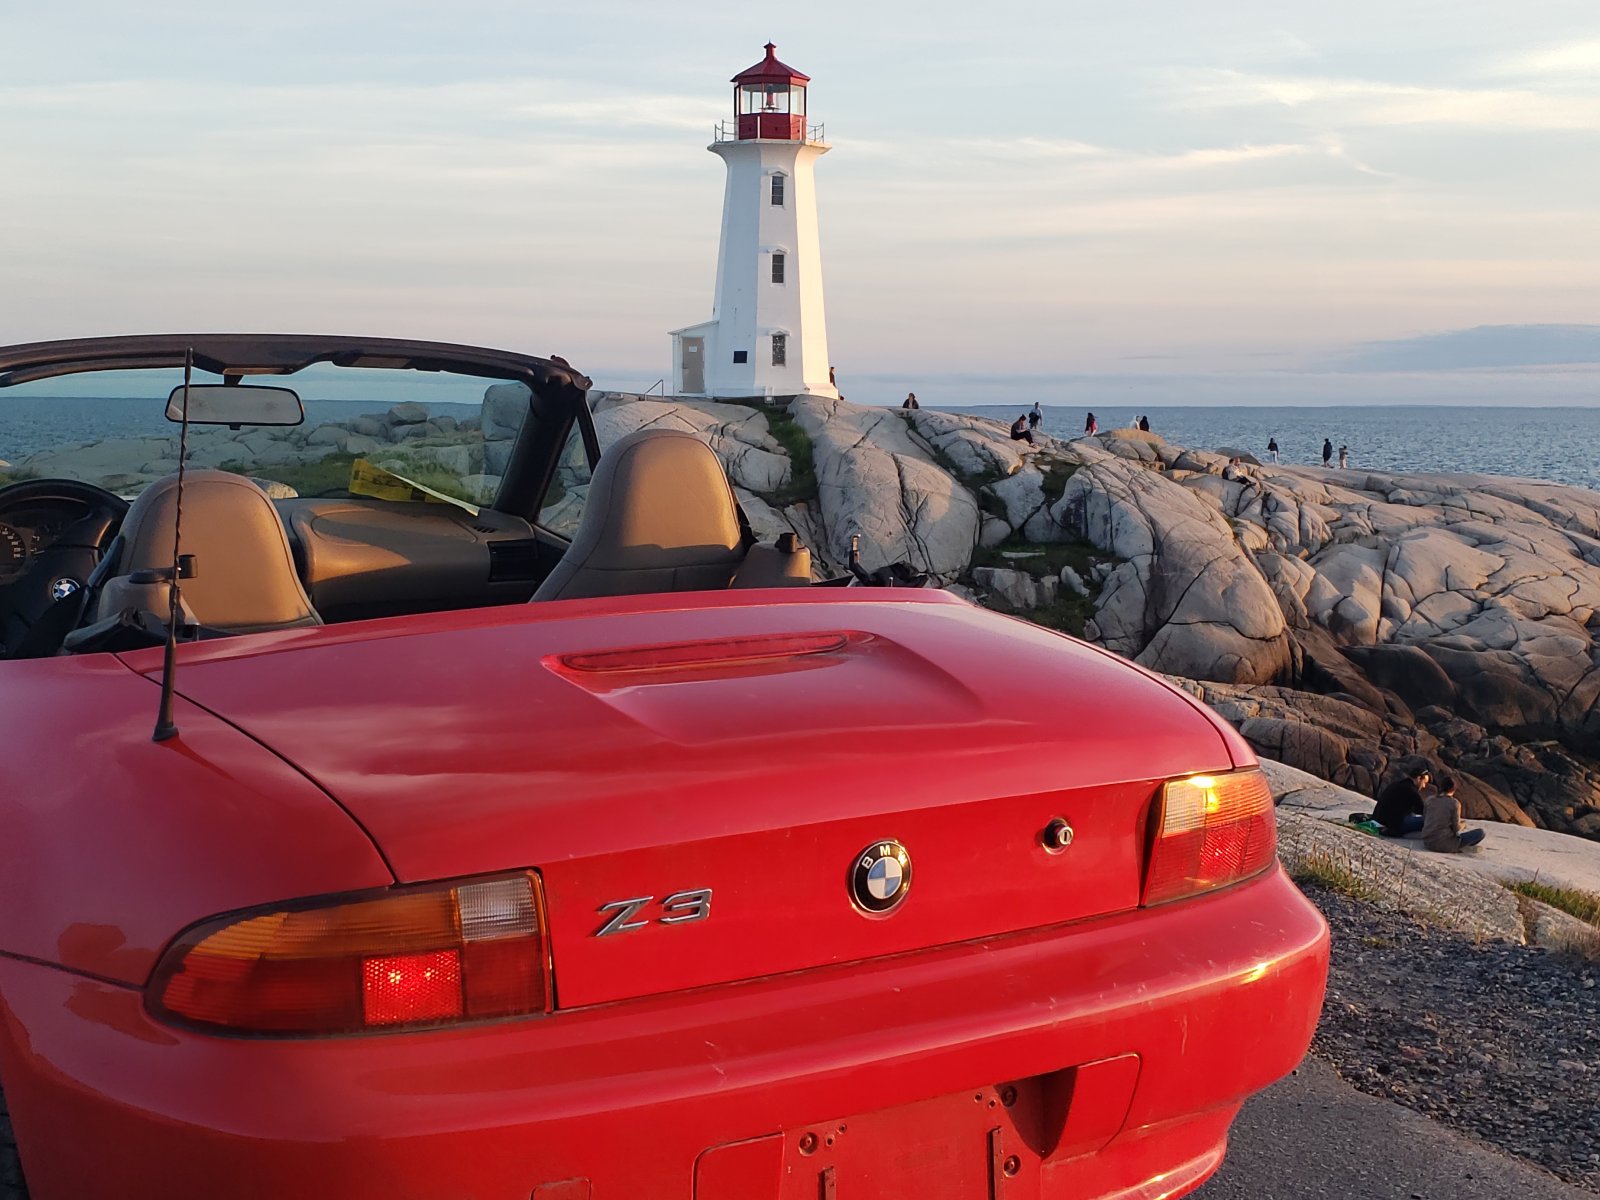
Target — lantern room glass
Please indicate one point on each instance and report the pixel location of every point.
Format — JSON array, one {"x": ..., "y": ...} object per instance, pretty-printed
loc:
[{"x": 779, "y": 98}]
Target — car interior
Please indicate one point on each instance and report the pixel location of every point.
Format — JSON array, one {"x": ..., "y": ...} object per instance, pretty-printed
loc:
[{"x": 654, "y": 513}]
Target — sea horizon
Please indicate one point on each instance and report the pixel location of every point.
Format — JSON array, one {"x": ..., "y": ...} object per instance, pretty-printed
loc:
[{"x": 1548, "y": 442}]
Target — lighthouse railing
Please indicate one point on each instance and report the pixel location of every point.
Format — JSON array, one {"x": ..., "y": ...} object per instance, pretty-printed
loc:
[{"x": 728, "y": 131}]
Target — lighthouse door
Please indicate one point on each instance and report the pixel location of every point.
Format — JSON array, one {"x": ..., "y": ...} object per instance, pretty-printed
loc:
[{"x": 694, "y": 366}]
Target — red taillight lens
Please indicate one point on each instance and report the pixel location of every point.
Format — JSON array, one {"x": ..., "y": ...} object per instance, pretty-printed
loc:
[
  {"x": 1213, "y": 830},
  {"x": 405, "y": 957}
]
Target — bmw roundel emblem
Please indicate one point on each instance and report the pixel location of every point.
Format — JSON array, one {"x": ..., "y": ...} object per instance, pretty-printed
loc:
[{"x": 880, "y": 877}]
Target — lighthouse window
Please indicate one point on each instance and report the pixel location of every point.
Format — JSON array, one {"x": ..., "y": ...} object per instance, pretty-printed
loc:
[
  {"x": 777, "y": 191},
  {"x": 780, "y": 349},
  {"x": 777, "y": 268}
]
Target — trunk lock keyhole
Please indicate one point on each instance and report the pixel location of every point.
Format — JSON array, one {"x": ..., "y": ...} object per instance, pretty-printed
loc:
[{"x": 1057, "y": 835}]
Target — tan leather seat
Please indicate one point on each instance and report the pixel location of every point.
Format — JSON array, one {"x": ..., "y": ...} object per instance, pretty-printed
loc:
[
  {"x": 661, "y": 517},
  {"x": 245, "y": 579}
]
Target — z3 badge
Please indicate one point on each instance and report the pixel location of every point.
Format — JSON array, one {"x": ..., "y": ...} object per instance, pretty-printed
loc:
[{"x": 677, "y": 909}]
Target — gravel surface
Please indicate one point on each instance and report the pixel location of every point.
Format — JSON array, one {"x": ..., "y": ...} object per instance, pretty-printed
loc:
[{"x": 1500, "y": 1041}]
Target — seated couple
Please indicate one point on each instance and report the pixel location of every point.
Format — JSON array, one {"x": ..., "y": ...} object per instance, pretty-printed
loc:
[{"x": 1408, "y": 806}]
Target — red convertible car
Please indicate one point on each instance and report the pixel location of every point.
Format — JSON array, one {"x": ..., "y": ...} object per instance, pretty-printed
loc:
[{"x": 571, "y": 844}]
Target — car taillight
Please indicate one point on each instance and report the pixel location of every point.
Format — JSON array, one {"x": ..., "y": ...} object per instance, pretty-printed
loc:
[
  {"x": 1212, "y": 830},
  {"x": 408, "y": 956}
]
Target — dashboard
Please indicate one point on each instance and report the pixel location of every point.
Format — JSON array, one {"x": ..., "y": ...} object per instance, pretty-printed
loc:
[{"x": 31, "y": 530}]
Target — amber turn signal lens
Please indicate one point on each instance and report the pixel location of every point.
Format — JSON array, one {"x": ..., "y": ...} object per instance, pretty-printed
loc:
[
  {"x": 401, "y": 958},
  {"x": 1213, "y": 830}
]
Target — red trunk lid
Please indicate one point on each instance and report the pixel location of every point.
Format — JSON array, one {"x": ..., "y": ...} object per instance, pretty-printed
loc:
[{"x": 633, "y": 751}]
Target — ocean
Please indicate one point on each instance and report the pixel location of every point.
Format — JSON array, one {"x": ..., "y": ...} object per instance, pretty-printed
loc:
[{"x": 1556, "y": 444}]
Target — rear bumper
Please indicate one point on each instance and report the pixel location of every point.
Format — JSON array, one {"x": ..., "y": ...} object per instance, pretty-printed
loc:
[{"x": 1203, "y": 1003}]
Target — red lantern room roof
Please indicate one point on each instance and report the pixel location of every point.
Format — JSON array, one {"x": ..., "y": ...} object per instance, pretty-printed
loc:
[{"x": 770, "y": 70}]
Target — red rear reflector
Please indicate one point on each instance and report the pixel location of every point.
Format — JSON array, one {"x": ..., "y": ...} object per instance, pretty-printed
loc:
[
  {"x": 411, "y": 987},
  {"x": 1213, "y": 830},
  {"x": 402, "y": 957}
]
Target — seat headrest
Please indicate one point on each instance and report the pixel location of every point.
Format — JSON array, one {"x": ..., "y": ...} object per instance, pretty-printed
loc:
[
  {"x": 245, "y": 574},
  {"x": 659, "y": 517},
  {"x": 656, "y": 494}
]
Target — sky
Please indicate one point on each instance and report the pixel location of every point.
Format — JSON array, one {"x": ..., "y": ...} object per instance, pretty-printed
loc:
[{"x": 1237, "y": 202}]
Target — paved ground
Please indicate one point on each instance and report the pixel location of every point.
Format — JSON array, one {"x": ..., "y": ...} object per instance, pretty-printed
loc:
[{"x": 1313, "y": 1137}]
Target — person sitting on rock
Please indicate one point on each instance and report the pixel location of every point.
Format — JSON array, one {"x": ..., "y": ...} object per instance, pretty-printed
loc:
[
  {"x": 1020, "y": 430},
  {"x": 910, "y": 401},
  {"x": 1441, "y": 819},
  {"x": 1399, "y": 809},
  {"x": 1237, "y": 472}
]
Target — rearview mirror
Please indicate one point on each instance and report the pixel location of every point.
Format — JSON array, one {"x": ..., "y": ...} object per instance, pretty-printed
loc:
[{"x": 235, "y": 405}]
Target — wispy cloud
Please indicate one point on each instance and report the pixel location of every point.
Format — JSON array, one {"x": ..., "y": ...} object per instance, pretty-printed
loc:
[
  {"x": 491, "y": 101},
  {"x": 1578, "y": 61},
  {"x": 1364, "y": 102}
]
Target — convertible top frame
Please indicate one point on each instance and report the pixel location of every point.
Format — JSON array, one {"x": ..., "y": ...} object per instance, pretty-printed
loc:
[{"x": 239, "y": 354}]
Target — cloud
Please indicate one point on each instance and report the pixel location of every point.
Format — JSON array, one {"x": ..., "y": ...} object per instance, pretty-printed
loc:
[
  {"x": 1362, "y": 102},
  {"x": 1577, "y": 60},
  {"x": 322, "y": 108},
  {"x": 1486, "y": 346},
  {"x": 1035, "y": 164}
]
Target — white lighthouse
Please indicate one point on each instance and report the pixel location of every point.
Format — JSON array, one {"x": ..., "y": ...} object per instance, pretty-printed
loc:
[{"x": 767, "y": 335}]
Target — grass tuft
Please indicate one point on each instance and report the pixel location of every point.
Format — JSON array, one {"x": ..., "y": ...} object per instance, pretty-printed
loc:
[
  {"x": 796, "y": 443},
  {"x": 1333, "y": 872},
  {"x": 328, "y": 476},
  {"x": 1070, "y": 611},
  {"x": 1575, "y": 901}
]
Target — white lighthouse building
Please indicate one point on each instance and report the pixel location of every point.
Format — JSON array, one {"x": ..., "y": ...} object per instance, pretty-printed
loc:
[{"x": 767, "y": 335}]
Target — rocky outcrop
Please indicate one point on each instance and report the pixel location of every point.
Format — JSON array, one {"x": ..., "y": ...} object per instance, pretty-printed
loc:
[
  {"x": 1020, "y": 591},
  {"x": 876, "y": 478},
  {"x": 740, "y": 436},
  {"x": 1186, "y": 598}
]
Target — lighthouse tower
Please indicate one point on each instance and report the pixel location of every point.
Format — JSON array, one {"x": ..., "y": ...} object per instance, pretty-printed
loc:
[{"x": 767, "y": 335}]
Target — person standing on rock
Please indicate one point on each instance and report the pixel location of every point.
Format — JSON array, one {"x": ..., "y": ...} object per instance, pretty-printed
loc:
[
  {"x": 1272, "y": 447},
  {"x": 1441, "y": 820},
  {"x": 1327, "y": 451},
  {"x": 1090, "y": 426},
  {"x": 1021, "y": 431},
  {"x": 1035, "y": 415},
  {"x": 910, "y": 401},
  {"x": 1344, "y": 458},
  {"x": 1400, "y": 808}
]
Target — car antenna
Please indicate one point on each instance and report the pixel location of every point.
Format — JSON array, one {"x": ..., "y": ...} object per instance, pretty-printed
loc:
[{"x": 165, "y": 728}]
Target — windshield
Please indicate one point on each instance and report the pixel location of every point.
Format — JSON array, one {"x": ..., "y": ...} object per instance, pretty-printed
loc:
[{"x": 367, "y": 432}]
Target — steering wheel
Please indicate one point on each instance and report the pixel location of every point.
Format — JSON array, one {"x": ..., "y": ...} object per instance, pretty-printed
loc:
[{"x": 59, "y": 570}]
